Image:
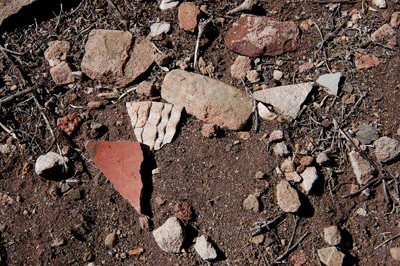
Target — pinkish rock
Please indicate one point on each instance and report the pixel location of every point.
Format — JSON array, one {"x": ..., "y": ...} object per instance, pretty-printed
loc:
[
  {"x": 240, "y": 67},
  {"x": 141, "y": 58},
  {"x": 288, "y": 166},
  {"x": 332, "y": 235},
  {"x": 306, "y": 160},
  {"x": 11, "y": 7},
  {"x": 95, "y": 105},
  {"x": 395, "y": 253},
  {"x": 146, "y": 88},
  {"x": 395, "y": 19},
  {"x": 251, "y": 203},
  {"x": 386, "y": 149},
  {"x": 57, "y": 52},
  {"x": 364, "y": 60},
  {"x": 62, "y": 74},
  {"x": 209, "y": 130},
  {"x": 384, "y": 33},
  {"x": 331, "y": 256},
  {"x": 121, "y": 163},
  {"x": 255, "y": 36},
  {"x": 287, "y": 197},
  {"x": 293, "y": 176},
  {"x": 361, "y": 167},
  {"x": 305, "y": 67},
  {"x": 253, "y": 76},
  {"x": 208, "y": 99},
  {"x": 69, "y": 123},
  {"x": 309, "y": 176},
  {"x": 106, "y": 52},
  {"x": 188, "y": 16}
]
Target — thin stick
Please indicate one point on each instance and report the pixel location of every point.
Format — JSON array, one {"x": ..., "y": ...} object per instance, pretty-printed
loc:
[
  {"x": 13, "y": 64},
  {"x": 201, "y": 28},
  {"x": 9, "y": 131},
  {"x": 390, "y": 239},
  {"x": 334, "y": 1},
  {"x": 11, "y": 97},
  {"x": 323, "y": 46}
]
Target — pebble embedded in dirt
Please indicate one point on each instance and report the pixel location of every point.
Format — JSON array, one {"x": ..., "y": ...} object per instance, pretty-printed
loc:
[
  {"x": 159, "y": 28},
  {"x": 276, "y": 136},
  {"x": 57, "y": 242},
  {"x": 323, "y": 159},
  {"x": 135, "y": 251},
  {"x": 50, "y": 165},
  {"x": 281, "y": 149},
  {"x": 5, "y": 199},
  {"x": 306, "y": 67},
  {"x": 205, "y": 248},
  {"x": 154, "y": 123},
  {"x": 309, "y": 176},
  {"x": 366, "y": 134},
  {"x": 379, "y": 3},
  {"x": 170, "y": 236},
  {"x": 331, "y": 256},
  {"x": 265, "y": 113},
  {"x": 386, "y": 149},
  {"x": 208, "y": 99},
  {"x": 253, "y": 76},
  {"x": 183, "y": 210},
  {"x": 57, "y": 52},
  {"x": 145, "y": 222},
  {"x": 69, "y": 123},
  {"x": 395, "y": 253},
  {"x": 385, "y": 34},
  {"x": 121, "y": 163},
  {"x": 287, "y": 197},
  {"x": 288, "y": 99},
  {"x": 209, "y": 130},
  {"x": 330, "y": 82},
  {"x": 251, "y": 203},
  {"x": 188, "y": 15},
  {"x": 361, "y": 167},
  {"x": 395, "y": 20},
  {"x": 293, "y": 176},
  {"x": 332, "y": 235},
  {"x": 240, "y": 67},
  {"x": 95, "y": 105},
  {"x": 365, "y": 60},
  {"x": 255, "y": 36},
  {"x": 288, "y": 166},
  {"x": 306, "y": 160},
  {"x": 244, "y": 135},
  {"x": 167, "y": 4},
  {"x": 159, "y": 201},
  {"x": 258, "y": 239},
  {"x": 62, "y": 74},
  {"x": 259, "y": 175},
  {"x": 277, "y": 75},
  {"x": 146, "y": 88},
  {"x": 111, "y": 240}
]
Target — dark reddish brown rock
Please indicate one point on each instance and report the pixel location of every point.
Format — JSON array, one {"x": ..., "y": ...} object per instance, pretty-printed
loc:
[
  {"x": 188, "y": 15},
  {"x": 120, "y": 162},
  {"x": 183, "y": 210},
  {"x": 306, "y": 160},
  {"x": 69, "y": 123},
  {"x": 261, "y": 36}
]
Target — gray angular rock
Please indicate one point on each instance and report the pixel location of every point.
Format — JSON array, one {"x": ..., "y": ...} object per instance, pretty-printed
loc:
[
  {"x": 251, "y": 203},
  {"x": 281, "y": 149},
  {"x": 323, "y": 159},
  {"x": 50, "y": 165},
  {"x": 208, "y": 99},
  {"x": 287, "y": 100},
  {"x": 361, "y": 167},
  {"x": 366, "y": 134},
  {"x": 167, "y": 4},
  {"x": 275, "y": 136},
  {"x": 159, "y": 28},
  {"x": 332, "y": 235},
  {"x": 331, "y": 256},
  {"x": 309, "y": 176},
  {"x": 330, "y": 82},
  {"x": 170, "y": 236},
  {"x": 205, "y": 248},
  {"x": 265, "y": 113},
  {"x": 255, "y": 36},
  {"x": 287, "y": 197},
  {"x": 386, "y": 149}
]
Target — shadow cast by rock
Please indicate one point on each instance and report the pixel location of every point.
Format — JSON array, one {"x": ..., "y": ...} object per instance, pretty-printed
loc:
[
  {"x": 306, "y": 210},
  {"x": 148, "y": 164}
]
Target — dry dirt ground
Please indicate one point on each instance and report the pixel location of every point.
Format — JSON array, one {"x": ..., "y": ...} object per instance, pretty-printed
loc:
[{"x": 214, "y": 175}]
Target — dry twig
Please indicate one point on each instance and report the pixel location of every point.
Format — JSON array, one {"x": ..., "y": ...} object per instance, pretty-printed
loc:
[
  {"x": 390, "y": 239},
  {"x": 247, "y": 5},
  {"x": 202, "y": 26}
]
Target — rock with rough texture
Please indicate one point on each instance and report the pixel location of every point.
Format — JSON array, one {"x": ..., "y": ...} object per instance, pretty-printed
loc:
[
  {"x": 183, "y": 210},
  {"x": 11, "y": 7},
  {"x": 154, "y": 123},
  {"x": 251, "y": 203},
  {"x": 209, "y": 130},
  {"x": 293, "y": 177},
  {"x": 167, "y": 4},
  {"x": 366, "y": 134},
  {"x": 159, "y": 28},
  {"x": 323, "y": 159},
  {"x": 330, "y": 82},
  {"x": 286, "y": 99},
  {"x": 306, "y": 160},
  {"x": 57, "y": 52},
  {"x": 205, "y": 248},
  {"x": 281, "y": 149},
  {"x": 121, "y": 163},
  {"x": 275, "y": 136},
  {"x": 145, "y": 88},
  {"x": 365, "y": 60},
  {"x": 332, "y": 235},
  {"x": 208, "y": 99},
  {"x": 361, "y": 167},
  {"x": 62, "y": 74},
  {"x": 106, "y": 53},
  {"x": 69, "y": 123},
  {"x": 50, "y": 165},
  {"x": 253, "y": 76},
  {"x": 395, "y": 19},
  {"x": 141, "y": 58},
  {"x": 287, "y": 197},
  {"x": 386, "y": 149},
  {"x": 331, "y": 256},
  {"x": 288, "y": 166},
  {"x": 309, "y": 176},
  {"x": 395, "y": 253},
  {"x": 188, "y": 15},
  {"x": 383, "y": 32},
  {"x": 240, "y": 67},
  {"x": 170, "y": 236},
  {"x": 379, "y": 3},
  {"x": 111, "y": 240},
  {"x": 265, "y": 113},
  {"x": 255, "y": 36}
]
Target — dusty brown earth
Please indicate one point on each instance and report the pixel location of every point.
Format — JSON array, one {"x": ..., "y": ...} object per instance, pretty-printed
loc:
[{"x": 214, "y": 175}]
